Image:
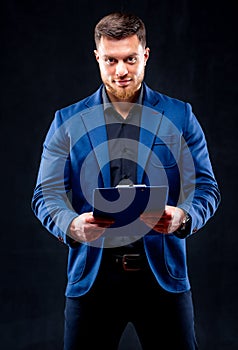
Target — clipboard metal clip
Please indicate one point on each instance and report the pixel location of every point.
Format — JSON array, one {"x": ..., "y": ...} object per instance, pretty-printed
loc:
[{"x": 130, "y": 185}]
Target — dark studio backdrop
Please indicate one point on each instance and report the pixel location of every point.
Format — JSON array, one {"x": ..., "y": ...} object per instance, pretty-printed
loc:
[{"x": 47, "y": 63}]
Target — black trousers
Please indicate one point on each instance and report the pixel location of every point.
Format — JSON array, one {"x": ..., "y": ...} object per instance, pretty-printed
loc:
[{"x": 96, "y": 320}]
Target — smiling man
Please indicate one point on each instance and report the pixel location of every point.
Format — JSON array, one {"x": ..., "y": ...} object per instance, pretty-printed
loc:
[
  {"x": 122, "y": 66},
  {"x": 126, "y": 134}
]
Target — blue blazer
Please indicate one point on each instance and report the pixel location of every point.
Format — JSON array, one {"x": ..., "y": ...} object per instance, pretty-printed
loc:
[{"x": 172, "y": 151}]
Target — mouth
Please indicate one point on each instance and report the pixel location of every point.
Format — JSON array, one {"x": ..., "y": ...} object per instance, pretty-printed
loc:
[{"x": 123, "y": 82}]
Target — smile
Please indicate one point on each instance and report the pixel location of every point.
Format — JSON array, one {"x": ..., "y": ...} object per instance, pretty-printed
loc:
[{"x": 122, "y": 82}]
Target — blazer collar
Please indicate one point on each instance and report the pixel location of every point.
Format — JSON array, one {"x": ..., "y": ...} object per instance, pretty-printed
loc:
[{"x": 150, "y": 97}]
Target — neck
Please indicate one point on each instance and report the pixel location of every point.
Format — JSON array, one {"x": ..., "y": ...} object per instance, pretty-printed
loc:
[{"x": 123, "y": 108}]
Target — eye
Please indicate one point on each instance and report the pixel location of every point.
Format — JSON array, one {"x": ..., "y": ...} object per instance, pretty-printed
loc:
[
  {"x": 131, "y": 59},
  {"x": 110, "y": 60}
]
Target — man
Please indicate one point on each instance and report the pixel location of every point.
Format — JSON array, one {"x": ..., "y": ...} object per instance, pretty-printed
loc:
[{"x": 124, "y": 134}]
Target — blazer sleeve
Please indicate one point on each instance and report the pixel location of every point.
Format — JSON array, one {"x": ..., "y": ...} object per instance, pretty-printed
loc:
[
  {"x": 203, "y": 201},
  {"x": 50, "y": 202}
]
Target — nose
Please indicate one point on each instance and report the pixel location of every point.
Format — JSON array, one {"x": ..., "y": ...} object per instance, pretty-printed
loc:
[{"x": 121, "y": 69}]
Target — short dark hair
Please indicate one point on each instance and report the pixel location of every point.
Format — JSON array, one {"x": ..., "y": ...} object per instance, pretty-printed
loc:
[{"x": 120, "y": 25}]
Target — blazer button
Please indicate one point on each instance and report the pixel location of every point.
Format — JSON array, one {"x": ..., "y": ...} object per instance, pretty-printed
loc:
[
  {"x": 195, "y": 230},
  {"x": 60, "y": 239}
]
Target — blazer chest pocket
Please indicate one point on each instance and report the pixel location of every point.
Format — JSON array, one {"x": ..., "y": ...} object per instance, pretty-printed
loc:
[{"x": 165, "y": 151}]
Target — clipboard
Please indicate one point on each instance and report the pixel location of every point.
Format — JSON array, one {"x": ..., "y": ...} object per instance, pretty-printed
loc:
[{"x": 125, "y": 203}]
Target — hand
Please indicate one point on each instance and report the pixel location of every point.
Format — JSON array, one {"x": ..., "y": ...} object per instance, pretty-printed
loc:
[
  {"x": 167, "y": 222},
  {"x": 87, "y": 228}
]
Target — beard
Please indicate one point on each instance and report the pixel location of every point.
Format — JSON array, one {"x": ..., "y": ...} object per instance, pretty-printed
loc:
[
  {"x": 126, "y": 93},
  {"x": 121, "y": 93}
]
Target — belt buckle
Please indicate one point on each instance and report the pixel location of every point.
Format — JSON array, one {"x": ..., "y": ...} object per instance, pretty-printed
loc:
[{"x": 126, "y": 259}]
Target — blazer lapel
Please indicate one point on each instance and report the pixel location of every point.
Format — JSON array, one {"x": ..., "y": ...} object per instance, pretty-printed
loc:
[
  {"x": 150, "y": 123},
  {"x": 94, "y": 122},
  {"x": 93, "y": 118}
]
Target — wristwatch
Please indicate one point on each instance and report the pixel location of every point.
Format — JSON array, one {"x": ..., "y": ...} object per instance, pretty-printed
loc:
[
  {"x": 184, "y": 230},
  {"x": 185, "y": 222}
]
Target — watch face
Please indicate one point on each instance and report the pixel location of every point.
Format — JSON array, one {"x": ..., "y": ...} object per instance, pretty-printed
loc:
[
  {"x": 187, "y": 218},
  {"x": 185, "y": 221}
]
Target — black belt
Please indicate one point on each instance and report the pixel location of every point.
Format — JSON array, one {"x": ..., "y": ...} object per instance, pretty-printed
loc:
[{"x": 128, "y": 262}]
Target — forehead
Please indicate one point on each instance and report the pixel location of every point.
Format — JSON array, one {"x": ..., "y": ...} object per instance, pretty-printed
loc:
[{"x": 120, "y": 47}]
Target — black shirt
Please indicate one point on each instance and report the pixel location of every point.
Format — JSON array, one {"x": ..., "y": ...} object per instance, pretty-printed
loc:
[{"x": 123, "y": 137}]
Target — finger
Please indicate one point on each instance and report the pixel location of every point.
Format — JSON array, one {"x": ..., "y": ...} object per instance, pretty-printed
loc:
[
  {"x": 153, "y": 214},
  {"x": 99, "y": 220},
  {"x": 163, "y": 218},
  {"x": 159, "y": 226}
]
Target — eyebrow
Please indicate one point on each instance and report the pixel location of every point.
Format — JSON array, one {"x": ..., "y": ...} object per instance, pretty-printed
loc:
[{"x": 111, "y": 56}]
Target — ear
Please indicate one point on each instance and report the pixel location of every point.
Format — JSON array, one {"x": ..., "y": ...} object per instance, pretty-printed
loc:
[
  {"x": 96, "y": 54},
  {"x": 146, "y": 54}
]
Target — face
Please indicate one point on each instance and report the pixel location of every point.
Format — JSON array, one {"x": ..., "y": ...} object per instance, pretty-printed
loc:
[{"x": 122, "y": 66}]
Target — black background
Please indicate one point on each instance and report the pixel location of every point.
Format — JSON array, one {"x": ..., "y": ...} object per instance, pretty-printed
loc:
[{"x": 47, "y": 63}]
